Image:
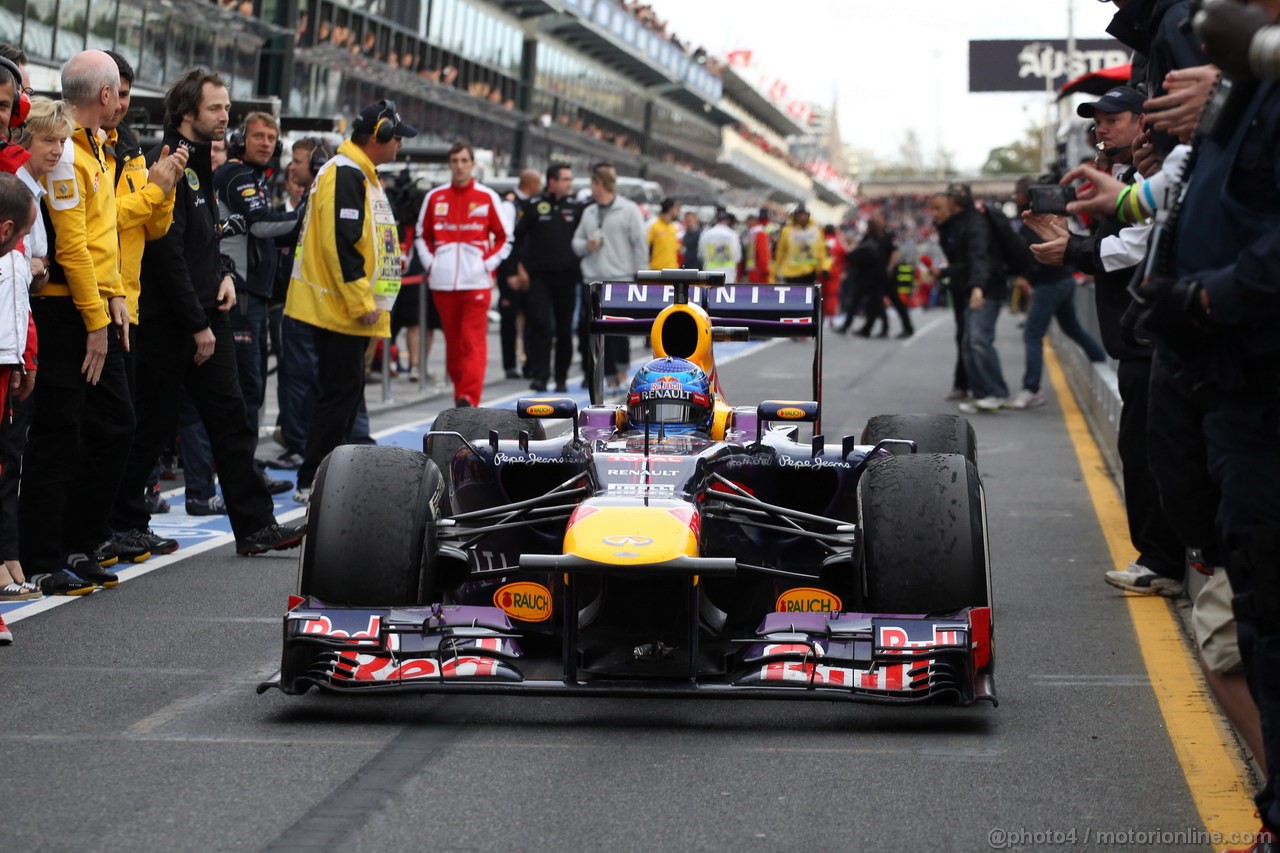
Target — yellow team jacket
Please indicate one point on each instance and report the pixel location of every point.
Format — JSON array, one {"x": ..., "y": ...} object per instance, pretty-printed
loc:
[
  {"x": 318, "y": 294},
  {"x": 83, "y": 249},
  {"x": 664, "y": 248},
  {"x": 143, "y": 212},
  {"x": 801, "y": 252}
]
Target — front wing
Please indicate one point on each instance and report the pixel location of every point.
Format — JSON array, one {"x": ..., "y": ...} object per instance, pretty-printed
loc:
[{"x": 461, "y": 649}]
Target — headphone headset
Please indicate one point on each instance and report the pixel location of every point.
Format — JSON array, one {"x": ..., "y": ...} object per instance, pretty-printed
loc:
[
  {"x": 235, "y": 145},
  {"x": 384, "y": 129},
  {"x": 320, "y": 154},
  {"x": 21, "y": 103}
]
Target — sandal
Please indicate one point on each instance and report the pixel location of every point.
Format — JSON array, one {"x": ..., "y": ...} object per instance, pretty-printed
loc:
[{"x": 20, "y": 592}]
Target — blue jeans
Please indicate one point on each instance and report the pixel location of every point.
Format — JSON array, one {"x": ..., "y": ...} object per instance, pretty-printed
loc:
[
  {"x": 297, "y": 379},
  {"x": 1049, "y": 301},
  {"x": 978, "y": 348},
  {"x": 197, "y": 453}
]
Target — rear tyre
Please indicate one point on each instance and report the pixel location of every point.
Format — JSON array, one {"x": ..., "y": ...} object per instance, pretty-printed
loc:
[
  {"x": 922, "y": 521},
  {"x": 474, "y": 424},
  {"x": 371, "y": 528},
  {"x": 931, "y": 433}
]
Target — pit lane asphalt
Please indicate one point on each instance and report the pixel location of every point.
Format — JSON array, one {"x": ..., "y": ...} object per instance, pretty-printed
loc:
[{"x": 130, "y": 720}]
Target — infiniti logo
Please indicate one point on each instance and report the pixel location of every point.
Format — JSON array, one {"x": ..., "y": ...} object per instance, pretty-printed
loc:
[{"x": 619, "y": 541}]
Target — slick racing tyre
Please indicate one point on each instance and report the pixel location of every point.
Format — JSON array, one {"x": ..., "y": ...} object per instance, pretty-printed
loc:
[
  {"x": 474, "y": 424},
  {"x": 922, "y": 521},
  {"x": 931, "y": 433},
  {"x": 371, "y": 528}
]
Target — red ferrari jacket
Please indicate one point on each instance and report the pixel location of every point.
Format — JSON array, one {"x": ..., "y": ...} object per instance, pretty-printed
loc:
[{"x": 461, "y": 239}]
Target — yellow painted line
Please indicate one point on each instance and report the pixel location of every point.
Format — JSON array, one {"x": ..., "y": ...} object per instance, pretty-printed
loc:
[{"x": 1211, "y": 761}]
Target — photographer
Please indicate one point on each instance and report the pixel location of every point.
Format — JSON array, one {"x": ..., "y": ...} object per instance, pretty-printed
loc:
[{"x": 1110, "y": 255}]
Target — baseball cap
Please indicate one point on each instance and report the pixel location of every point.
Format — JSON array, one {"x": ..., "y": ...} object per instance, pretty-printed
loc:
[
  {"x": 368, "y": 119},
  {"x": 1121, "y": 99}
]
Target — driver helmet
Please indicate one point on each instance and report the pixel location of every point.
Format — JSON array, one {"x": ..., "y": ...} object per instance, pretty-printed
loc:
[{"x": 677, "y": 394}]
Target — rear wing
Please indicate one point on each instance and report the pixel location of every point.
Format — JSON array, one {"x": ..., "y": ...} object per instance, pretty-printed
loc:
[{"x": 763, "y": 310}]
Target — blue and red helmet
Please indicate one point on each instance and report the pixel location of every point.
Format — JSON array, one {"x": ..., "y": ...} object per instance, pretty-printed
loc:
[{"x": 676, "y": 394}]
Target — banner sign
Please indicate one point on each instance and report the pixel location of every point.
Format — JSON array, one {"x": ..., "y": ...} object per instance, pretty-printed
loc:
[{"x": 1023, "y": 66}]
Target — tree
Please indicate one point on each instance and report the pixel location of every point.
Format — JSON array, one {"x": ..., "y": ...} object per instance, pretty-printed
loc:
[
  {"x": 912, "y": 161},
  {"x": 1022, "y": 157}
]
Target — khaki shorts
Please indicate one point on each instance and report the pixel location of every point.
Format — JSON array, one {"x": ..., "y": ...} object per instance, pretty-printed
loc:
[{"x": 1215, "y": 625}]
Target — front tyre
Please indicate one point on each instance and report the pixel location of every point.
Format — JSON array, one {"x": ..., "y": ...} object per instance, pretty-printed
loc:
[
  {"x": 371, "y": 528},
  {"x": 922, "y": 520}
]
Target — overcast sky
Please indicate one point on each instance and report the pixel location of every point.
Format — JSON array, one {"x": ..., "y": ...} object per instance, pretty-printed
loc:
[{"x": 891, "y": 65}]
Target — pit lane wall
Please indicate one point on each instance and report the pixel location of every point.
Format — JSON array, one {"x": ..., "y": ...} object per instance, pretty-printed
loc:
[{"x": 1094, "y": 385}]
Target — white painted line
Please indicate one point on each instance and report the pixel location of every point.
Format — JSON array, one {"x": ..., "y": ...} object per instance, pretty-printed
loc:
[
  {"x": 132, "y": 571},
  {"x": 924, "y": 330}
]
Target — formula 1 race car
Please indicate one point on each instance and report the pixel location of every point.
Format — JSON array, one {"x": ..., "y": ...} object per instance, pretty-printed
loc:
[{"x": 671, "y": 546}]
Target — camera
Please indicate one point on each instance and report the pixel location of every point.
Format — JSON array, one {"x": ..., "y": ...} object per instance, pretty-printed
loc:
[{"x": 1050, "y": 198}]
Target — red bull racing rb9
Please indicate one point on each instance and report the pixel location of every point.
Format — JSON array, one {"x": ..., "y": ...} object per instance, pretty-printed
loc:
[{"x": 670, "y": 544}]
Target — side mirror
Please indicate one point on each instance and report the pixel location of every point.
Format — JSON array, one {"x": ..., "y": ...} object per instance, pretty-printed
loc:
[{"x": 794, "y": 411}]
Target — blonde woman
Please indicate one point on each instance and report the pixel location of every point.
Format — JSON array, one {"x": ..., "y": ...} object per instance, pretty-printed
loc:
[{"x": 45, "y": 136}]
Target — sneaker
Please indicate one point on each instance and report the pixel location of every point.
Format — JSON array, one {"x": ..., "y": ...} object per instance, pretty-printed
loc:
[
  {"x": 956, "y": 395},
  {"x": 119, "y": 548},
  {"x": 62, "y": 582},
  {"x": 212, "y": 506},
  {"x": 105, "y": 557},
  {"x": 562, "y": 387},
  {"x": 156, "y": 504},
  {"x": 1027, "y": 400},
  {"x": 302, "y": 496},
  {"x": 6, "y": 636},
  {"x": 147, "y": 538},
  {"x": 512, "y": 373},
  {"x": 273, "y": 537},
  {"x": 288, "y": 461},
  {"x": 982, "y": 404},
  {"x": 1138, "y": 578},
  {"x": 538, "y": 385},
  {"x": 84, "y": 566},
  {"x": 464, "y": 403},
  {"x": 276, "y": 487}
]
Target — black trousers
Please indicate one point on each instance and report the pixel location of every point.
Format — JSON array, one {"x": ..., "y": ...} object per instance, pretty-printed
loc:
[
  {"x": 1160, "y": 547},
  {"x": 13, "y": 443},
  {"x": 340, "y": 360},
  {"x": 959, "y": 304},
  {"x": 1177, "y": 458},
  {"x": 549, "y": 313},
  {"x": 1242, "y": 442},
  {"x": 873, "y": 306},
  {"x": 511, "y": 303},
  {"x": 904, "y": 316},
  {"x": 165, "y": 364},
  {"x": 77, "y": 445}
]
